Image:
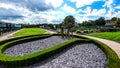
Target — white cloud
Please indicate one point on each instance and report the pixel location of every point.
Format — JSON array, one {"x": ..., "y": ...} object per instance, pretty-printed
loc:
[
  {"x": 108, "y": 3},
  {"x": 69, "y": 9},
  {"x": 41, "y": 17},
  {"x": 81, "y": 3},
  {"x": 15, "y": 9},
  {"x": 55, "y": 3},
  {"x": 100, "y": 12},
  {"x": 117, "y": 7}
]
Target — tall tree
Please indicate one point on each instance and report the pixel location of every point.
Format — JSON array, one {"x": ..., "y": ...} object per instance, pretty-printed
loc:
[
  {"x": 69, "y": 23},
  {"x": 117, "y": 22},
  {"x": 100, "y": 21},
  {"x": 113, "y": 18}
]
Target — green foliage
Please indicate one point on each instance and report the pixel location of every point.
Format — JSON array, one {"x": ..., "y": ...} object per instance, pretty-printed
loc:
[
  {"x": 113, "y": 18},
  {"x": 87, "y": 23},
  {"x": 117, "y": 22},
  {"x": 30, "y": 31},
  {"x": 115, "y": 36},
  {"x": 100, "y": 21},
  {"x": 78, "y": 31},
  {"x": 69, "y": 21}
]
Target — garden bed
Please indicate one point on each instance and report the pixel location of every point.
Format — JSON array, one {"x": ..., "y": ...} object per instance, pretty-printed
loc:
[
  {"x": 33, "y": 46},
  {"x": 85, "y": 55},
  {"x": 111, "y": 59}
]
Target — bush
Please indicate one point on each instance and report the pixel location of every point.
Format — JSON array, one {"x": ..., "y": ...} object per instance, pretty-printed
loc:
[
  {"x": 58, "y": 31},
  {"x": 78, "y": 31}
]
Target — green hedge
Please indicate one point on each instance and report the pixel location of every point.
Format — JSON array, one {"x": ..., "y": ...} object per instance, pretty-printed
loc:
[
  {"x": 112, "y": 57},
  {"x": 12, "y": 61},
  {"x": 21, "y": 37}
]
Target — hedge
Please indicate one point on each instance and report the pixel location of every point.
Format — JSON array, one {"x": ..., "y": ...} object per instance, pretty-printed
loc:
[
  {"x": 12, "y": 61},
  {"x": 112, "y": 57},
  {"x": 21, "y": 37},
  {"x": 33, "y": 57}
]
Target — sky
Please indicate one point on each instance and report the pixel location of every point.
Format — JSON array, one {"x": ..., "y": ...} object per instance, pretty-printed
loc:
[{"x": 54, "y": 11}]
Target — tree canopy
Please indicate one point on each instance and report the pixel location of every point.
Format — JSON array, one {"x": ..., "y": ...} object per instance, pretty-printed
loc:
[
  {"x": 113, "y": 18},
  {"x": 69, "y": 21},
  {"x": 100, "y": 21},
  {"x": 118, "y": 22}
]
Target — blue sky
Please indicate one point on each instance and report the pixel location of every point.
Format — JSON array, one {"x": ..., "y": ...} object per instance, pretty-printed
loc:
[{"x": 54, "y": 11}]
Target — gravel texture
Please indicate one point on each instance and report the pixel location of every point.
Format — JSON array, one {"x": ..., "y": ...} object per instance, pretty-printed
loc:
[
  {"x": 86, "y": 55},
  {"x": 34, "y": 46}
]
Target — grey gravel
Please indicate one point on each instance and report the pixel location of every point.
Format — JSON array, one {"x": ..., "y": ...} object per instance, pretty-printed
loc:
[
  {"x": 86, "y": 55},
  {"x": 34, "y": 46}
]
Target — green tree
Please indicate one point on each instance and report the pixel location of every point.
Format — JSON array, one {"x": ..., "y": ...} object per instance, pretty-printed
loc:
[
  {"x": 100, "y": 21},
  {"x": 113, "y": 18},
  {"x": 117, "y": 22},
  {"x": 86, "y": 23},
  {"x": 69, "y": 23}
]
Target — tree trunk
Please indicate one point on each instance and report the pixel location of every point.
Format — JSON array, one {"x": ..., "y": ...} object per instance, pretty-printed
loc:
[{"x": 62, "y": 34}]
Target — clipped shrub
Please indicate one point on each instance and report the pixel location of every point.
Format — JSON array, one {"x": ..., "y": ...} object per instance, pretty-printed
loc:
[{"x": 12, "y": 61}]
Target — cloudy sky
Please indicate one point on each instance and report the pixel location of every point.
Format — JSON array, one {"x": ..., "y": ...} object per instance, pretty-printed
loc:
[{"x": 54, "y": 11}]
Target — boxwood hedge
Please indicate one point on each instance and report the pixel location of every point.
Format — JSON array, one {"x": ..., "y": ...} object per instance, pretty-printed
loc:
[
  {"x": 112, "y": 57},
  {"x": 15, "y": 61},
  {"x": 12, "y": 61}
]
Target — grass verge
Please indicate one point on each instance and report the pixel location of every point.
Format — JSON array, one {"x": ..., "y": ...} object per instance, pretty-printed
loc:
[
  {"x": 29, "y": 31},
  {"x": 115, "y": 36}
]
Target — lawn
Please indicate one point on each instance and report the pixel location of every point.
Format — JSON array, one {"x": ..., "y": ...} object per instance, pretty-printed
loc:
[
  {"x": 29, "y": 31},
  {"x": 115, "y": 36}
]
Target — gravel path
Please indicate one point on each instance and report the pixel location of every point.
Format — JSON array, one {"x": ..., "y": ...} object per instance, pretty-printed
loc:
[
  {"x": 86, "y": 55},
  {"x": 34, "y": 46}
]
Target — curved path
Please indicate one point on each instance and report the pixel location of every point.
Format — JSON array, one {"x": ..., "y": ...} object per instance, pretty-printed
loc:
[
  {"x": 112, "y": 44},
  {"x": 9, "y": 35}
]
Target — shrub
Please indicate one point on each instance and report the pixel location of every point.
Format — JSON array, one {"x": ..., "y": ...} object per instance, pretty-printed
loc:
[{"x": 78, "y": 31}]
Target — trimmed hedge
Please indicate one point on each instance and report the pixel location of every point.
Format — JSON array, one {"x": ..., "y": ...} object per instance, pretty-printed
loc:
[
  {"x": 15, "y": 61},
  {"x": 21, "y": 37},
  {"x": 112, "y": 57},
  {"x": 12, "y": 61}
]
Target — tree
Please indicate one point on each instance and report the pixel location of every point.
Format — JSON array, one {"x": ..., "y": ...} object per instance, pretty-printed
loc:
[
  {"x": 86, "y": 23},
  {"x": 100, "y": 21},
  {"x": 69, "y": 23},
  {"x": 117, "y": 22},
  {"x": 113, "y": 18}
]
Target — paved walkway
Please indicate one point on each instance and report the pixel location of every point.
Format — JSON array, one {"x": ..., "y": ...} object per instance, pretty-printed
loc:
[
  {"x": 50, "y": 32},
  {"x": 112, "y": 44},
  {"x": 9, "y": 35}
]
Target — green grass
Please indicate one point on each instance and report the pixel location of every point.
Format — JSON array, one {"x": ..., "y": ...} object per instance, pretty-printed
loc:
[
  {"x": 115, "y": 36},
  {"x": 29, "y": 31}
]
